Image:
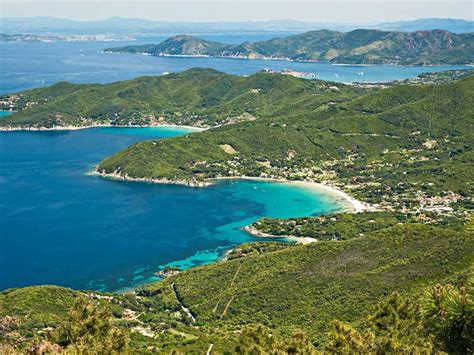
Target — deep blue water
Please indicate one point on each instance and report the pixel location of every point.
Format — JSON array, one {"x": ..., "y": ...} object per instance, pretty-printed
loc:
[
  {"x": 59, "y": 225},
  {"x": 28, "y": 65}
]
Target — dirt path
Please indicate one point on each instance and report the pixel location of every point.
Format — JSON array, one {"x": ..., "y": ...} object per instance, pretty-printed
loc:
[{"x": 185, "y": 309}]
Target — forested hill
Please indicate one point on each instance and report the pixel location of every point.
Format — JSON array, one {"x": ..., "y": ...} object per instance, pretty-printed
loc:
[
  {"x": 406, "y": 137},
  {"x": 355, "y": 47},
  {"x": 198, "y": 97}
]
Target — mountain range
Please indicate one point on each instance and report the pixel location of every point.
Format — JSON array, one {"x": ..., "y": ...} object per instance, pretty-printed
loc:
[
  {"x": 120, "y": 25},
  {"x": 355, "y": 47}
]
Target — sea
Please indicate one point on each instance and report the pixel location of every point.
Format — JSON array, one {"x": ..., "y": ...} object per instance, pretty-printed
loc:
[
  {"x": 60, "y": 225},
  {"x": 29, "y": 65}
]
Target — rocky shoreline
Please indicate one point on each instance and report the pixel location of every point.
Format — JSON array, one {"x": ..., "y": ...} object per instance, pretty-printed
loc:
[{"x": 125, "y": 177}]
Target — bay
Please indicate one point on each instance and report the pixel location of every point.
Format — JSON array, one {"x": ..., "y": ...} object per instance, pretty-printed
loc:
[{"x": 59, "y": 225}]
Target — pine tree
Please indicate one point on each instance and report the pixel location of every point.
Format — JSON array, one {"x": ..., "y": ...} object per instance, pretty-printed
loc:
[
  {"x": 449, "y": 313},
  {"x": 90, "y": 329}
]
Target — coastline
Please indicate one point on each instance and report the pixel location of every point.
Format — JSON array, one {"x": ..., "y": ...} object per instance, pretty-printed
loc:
[
  {"x": 124, "y": 177},
  {"x": 298, "y": 240},
  {"x": 354, "y": 205},
  {"x": 75, "y": 128},
  {"x": 283, "y": 59}
]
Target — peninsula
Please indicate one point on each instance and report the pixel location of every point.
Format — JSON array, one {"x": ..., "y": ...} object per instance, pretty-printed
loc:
[
  {"x": 405, "y": 148},
  {"x": 363, "y": 46}
]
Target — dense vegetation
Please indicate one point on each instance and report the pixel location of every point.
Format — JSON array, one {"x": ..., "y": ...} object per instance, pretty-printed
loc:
[
  {"x": 398, "y": 147},
  {"x": 354, "y": 47},
  {"x": 348, "y": 226},
  {"x": 198, "y": 97},
  {"x": 293, "y": 292},
  {"x": 406, "y": 148}
]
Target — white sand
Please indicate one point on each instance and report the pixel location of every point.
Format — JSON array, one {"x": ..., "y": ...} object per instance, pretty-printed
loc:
[
  {"x": 356, "y": 205},
  {"x": 74, "y": 128}
]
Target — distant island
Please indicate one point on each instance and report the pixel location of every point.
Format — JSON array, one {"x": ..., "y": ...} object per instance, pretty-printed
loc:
[
  {"x": 363, "y": 46},
  {"x": 62, "y": 38},
  {"x": 125, "y": 26}
]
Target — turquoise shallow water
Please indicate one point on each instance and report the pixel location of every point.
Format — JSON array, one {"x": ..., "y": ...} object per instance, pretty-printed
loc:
[{"x": 62, "y": 226}]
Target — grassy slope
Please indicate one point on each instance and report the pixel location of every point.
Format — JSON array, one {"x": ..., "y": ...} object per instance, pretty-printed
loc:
[
  {"x": 308, "y": 286},
  {"x": 44, "y": 304},
  {"x": 358, "y": 46},
  {"x": 194, "y": 97}
]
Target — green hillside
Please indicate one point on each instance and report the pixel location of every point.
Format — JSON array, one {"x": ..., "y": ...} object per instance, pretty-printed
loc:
[
  {"x": 354, "y": 47},
  {"x": 198, "y": 97},
  {"x": 398, "y": 280},
  {"x": 177, "y": 45},
  {"x": 393, "y": 147},
  {"x": 286, "y": 289}
]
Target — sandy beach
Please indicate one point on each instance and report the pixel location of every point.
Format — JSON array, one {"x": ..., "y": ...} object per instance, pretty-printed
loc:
[
  {"x": 75, "y": 128},
  {"x": 355, "y": 205},
  {"x": 298, "y": 240}
]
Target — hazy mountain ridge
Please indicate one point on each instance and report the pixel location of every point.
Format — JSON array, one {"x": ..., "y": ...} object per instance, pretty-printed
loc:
[
  {"x": 126, "y": 25},
  {"x": 356, "y": 47}
]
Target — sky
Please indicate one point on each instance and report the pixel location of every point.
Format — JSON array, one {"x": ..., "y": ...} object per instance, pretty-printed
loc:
[{"x": 347, "y": 11}]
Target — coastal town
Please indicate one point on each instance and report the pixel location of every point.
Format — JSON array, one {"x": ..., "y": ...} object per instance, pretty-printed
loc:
[{"x": 367, "y": 184}]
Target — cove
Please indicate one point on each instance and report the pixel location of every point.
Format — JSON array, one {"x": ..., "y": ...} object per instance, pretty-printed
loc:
[{"x": 59, "y": 225}]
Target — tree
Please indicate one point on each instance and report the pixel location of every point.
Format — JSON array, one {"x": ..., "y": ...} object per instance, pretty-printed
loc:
[
  {"x": 90, "y": 329},
  {"x": 396, "y": 326},
  {"x": 343, "y": 338},
  {"x": 256, "y": 340},
  {"x": 449, "y": 313}
]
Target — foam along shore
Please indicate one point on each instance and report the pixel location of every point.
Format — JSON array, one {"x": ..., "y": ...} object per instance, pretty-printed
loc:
[{"x": 75, "y": 128}]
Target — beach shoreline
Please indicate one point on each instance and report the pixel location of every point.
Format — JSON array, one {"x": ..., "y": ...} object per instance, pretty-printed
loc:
[
  {"x": 353, "y": 204},
  {"x": 356, "y": 205},
  {"x": 290, "y": 238},
  {"x": 75, "y": 128}
]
